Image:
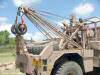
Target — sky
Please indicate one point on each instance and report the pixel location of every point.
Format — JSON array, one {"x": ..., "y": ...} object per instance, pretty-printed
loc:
[{"x": 81, "y": 8}]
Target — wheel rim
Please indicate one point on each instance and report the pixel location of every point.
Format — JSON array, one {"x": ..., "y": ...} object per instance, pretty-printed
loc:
[{"x": 71, "y": 73}]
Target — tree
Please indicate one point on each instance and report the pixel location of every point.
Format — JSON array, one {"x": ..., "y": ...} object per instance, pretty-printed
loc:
[
  {"x": 12, "y": 41},
  {"x": 4, "y": 37}
]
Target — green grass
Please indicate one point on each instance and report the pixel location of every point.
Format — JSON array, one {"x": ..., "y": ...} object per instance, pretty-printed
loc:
[
  {"x": 7, "y": 48},
  {"x": 7, "y": 55}
]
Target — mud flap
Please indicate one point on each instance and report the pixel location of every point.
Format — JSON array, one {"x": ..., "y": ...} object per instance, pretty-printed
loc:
[
  {"x": 29, "y": 68},
  {"x": 24, "y": 63}
]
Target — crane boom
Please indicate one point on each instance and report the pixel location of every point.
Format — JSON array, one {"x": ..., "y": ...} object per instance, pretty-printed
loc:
[{"x": 46, "y": 26}]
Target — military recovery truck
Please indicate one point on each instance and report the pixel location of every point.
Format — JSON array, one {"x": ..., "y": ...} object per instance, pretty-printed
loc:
[{"x": 68, "y": 52}]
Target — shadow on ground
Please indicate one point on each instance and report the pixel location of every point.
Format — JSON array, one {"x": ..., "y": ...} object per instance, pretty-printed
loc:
[{"x": 95, "y": 72}]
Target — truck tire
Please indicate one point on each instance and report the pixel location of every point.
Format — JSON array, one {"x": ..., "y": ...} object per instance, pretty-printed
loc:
[
  {"x": 21, "y": 29},
  {"x": 13, "y": 29},
  {"x": 69, "y": 68}
]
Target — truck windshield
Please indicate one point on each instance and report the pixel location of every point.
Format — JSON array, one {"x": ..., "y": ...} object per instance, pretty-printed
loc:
[{"x": 35, "y": 48}]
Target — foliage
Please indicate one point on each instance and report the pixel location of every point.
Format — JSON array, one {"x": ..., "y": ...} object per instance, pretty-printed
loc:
[
  {"x": 12, "y": 41},
  {"x": 5, "y": 40},
  {"x": 6, "y": 44},
  {"x": 4, "y": 37}
]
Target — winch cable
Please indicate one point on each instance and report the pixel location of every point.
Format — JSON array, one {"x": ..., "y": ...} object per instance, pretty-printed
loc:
[
  {"x": 47, "y": 25},
  {"x": 43, "y": 23},
  {"x": 35, "y": 22},
  {"x": 52, "y": 14},
  {"x": 48, "y": 13},
  {"x": 50, "y": 32},
  {"x": 56, "y": 30},
  {"x": 50, "y": 25}
]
